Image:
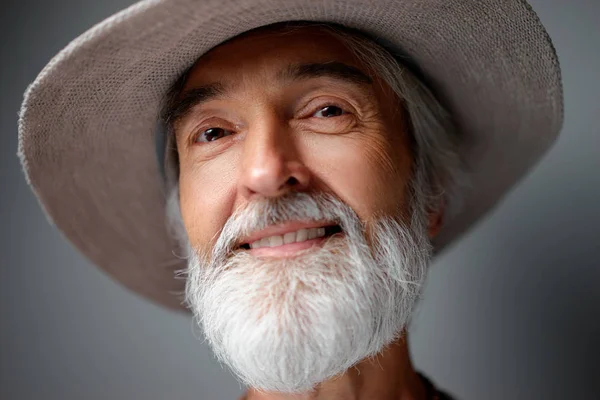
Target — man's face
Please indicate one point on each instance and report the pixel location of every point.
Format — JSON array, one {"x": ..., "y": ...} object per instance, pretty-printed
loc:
[
  {"x": 307, "y": 251},
  {"x": 328, "y": 134}
]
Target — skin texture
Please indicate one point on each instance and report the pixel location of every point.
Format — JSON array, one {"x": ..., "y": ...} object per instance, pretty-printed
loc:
[{"x": 278, "y": 141}]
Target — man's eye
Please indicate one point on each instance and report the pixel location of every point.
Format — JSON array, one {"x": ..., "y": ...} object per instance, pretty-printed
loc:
[
  {"x": 329, "y": 111},
  {"x": 212, "y": 134}
]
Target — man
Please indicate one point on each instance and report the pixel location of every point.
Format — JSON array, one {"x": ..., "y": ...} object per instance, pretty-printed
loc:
[{"x": 310, "y": 169}]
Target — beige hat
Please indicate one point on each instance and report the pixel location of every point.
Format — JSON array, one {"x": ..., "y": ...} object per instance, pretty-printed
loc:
[{"x": 87, "y": 126}]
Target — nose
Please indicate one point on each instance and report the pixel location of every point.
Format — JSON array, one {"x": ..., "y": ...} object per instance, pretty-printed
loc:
[{"x": 271, "y": 165}]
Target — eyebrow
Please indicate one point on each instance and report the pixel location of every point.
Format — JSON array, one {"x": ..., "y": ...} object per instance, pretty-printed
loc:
[{"x": 180, "y": 105}]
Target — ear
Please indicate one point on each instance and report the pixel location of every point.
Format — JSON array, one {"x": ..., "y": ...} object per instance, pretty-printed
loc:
[{"x": 436, "y": 220}]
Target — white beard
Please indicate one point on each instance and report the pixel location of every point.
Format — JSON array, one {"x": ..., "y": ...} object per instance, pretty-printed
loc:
[{"x": 288, "y": 324}]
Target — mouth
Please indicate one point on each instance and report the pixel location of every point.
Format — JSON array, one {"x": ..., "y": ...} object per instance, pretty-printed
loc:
[{"x": 288, "y": 239}]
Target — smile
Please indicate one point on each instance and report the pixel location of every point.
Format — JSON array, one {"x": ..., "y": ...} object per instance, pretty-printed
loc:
[{"x": 288, "y": 238}]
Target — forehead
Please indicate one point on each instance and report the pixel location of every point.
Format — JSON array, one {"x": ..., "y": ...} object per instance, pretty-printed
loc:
[{"x": 262, "y": 53}]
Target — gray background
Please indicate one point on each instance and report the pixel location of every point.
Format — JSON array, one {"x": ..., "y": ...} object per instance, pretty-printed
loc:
[{"x": 510, "y": 312}]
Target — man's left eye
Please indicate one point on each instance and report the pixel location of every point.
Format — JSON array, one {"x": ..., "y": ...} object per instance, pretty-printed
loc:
[{"x": 329, "y": 111}]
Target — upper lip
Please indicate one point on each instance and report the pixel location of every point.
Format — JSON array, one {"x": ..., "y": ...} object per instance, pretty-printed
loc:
[{"x": 282, "y": 229}]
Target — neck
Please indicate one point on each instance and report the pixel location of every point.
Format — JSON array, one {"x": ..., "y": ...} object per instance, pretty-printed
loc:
[{"x": 387, "y": 376}]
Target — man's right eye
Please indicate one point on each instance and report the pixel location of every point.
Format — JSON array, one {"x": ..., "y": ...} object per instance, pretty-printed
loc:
[{"x": 212, "y": 134}]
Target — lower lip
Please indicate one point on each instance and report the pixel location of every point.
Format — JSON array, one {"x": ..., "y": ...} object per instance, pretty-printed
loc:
[{"x": 287, "y": 250}]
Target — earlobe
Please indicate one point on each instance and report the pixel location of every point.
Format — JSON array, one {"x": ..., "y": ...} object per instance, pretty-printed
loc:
[{"x": 436, "y": 220}]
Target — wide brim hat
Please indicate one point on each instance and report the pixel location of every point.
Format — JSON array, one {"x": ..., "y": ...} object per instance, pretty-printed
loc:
[{"x": 88, "y": 123}]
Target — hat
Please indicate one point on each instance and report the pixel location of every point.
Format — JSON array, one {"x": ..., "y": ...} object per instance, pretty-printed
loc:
[{"x": 88, "y": 122}]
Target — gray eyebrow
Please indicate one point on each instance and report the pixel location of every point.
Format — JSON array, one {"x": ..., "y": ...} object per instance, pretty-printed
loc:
[{"x": 180, "y": 105}]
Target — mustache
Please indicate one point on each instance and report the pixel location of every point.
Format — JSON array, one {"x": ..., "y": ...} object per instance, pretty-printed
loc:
[{"x": 293, "y": 206}]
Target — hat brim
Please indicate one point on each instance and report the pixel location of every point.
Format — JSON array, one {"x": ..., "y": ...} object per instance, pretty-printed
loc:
[{"x": 87, "y": 124}]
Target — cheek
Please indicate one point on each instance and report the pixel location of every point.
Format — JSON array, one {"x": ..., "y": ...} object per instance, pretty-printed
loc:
[
  {"x": 206, "y": 193},
  {"x": 368, "y": 172}
]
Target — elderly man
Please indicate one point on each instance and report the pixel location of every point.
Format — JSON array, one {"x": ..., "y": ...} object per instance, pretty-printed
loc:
[{"x": 312, "y": 158}]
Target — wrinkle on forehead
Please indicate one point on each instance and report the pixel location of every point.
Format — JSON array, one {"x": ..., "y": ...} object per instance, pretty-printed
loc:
[{"x": 259, "y": 50}]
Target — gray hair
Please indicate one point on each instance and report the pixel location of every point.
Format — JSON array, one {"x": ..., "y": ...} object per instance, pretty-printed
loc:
[{"x": 437, "y": 175}]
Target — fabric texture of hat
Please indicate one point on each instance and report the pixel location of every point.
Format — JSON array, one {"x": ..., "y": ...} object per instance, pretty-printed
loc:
[{"x": 88, "y": 123}]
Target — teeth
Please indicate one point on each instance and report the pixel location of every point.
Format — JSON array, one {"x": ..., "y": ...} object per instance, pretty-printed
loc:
[
  {"x": 289, "y": 237},
  {"x": 276, "y": 241},
  {"x": 301, "y": 235}
]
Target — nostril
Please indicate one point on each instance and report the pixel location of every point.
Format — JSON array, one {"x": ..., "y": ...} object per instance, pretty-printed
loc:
[{"x": 292, "y": 181}]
